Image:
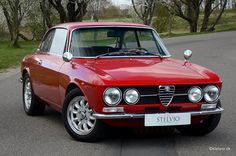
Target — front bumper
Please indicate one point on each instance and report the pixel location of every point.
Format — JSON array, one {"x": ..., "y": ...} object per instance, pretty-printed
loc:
[{"x": 217, "y": 110}]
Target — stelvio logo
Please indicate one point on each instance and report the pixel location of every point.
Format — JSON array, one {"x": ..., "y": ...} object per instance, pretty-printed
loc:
[{"x": 168, "y": 119}]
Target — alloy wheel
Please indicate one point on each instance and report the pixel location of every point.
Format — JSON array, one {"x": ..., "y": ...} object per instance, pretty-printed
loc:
[
  {"x": 27, "y": 94},
  {"x": 79, "y": 116}
]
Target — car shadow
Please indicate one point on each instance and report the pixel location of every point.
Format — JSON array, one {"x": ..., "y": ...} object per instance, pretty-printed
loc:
[
  {"x": 53, "y": 115},
  {"x": 116, "y": 132},
  {"x": 138, "y": 137}
]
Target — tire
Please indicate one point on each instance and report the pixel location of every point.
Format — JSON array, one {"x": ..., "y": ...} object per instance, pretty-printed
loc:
[
  {"x": 202, "y": 128},
  {"x": 31, "y": 106},
  {"x": 78, "y": 119}
]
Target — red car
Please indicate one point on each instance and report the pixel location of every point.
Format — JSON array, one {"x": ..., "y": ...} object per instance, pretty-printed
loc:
[{"x": 118, "y": 74}]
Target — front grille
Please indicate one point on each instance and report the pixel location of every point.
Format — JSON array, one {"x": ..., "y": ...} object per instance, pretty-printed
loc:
[
  {"x": 166, "y": 94},
  {"x": 150, "y": 94}
]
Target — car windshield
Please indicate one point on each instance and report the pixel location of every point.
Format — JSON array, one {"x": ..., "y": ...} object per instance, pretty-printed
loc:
[{"x": 118, "y": 41}]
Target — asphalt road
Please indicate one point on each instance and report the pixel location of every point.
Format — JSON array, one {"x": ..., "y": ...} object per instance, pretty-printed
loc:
[{"x": 45, "y": 135}]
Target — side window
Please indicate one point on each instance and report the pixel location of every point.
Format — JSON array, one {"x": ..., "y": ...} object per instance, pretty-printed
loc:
[
  {"x": 47, "y": 41},
  {"x": 59, "y": 42}
]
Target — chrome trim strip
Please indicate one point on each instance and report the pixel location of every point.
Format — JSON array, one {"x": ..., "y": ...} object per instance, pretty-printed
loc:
[
  {"x": 81, "y": 57},
  {"x": 183, "y": 94},
  {"x": 149, "y": 95},
  {"x": 218, "y": 110}
]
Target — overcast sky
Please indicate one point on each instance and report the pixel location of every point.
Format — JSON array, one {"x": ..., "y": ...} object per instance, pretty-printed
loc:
[{"x": 118, "y": 2}]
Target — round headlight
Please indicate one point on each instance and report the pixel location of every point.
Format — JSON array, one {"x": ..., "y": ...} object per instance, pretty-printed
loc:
[
  {"x": 211, "y": 93},
  {"x": 131, "y": 96},
  {"x": 112, "y": 96},
  {"x": 195, "y": 94}
]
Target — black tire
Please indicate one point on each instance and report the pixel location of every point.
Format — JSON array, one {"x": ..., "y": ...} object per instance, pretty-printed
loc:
[
  {"x": 96, "y": 134},
  {"x": 35, "y": 107},
  {"x": 202, "y": 128}
]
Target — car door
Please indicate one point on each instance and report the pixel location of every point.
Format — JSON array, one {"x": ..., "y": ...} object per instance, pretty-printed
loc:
[{"x": 50, "y": 60}]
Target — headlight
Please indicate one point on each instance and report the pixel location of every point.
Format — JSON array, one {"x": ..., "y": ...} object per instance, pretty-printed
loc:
[
  {"x": 211, "y": 93},
  {"x": 131, "y": 96},
  {"x": 112, "y": 96},
  {"x": 195, "y": 94}
]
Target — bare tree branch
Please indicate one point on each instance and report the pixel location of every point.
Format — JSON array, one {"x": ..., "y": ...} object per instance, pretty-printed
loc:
[
  {"x": 144, "y": 9},
  {"x": 14, "y": 12},
  {"x": 73, "y": 11}
]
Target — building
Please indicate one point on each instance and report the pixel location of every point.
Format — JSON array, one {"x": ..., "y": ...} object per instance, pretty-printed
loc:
[{"x": 219, "y": 4}]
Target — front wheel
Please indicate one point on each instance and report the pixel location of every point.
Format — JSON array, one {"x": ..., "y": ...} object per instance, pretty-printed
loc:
[
  {"x": 78, "y": 119},
  {"x": 202, "y": 128},
  {"x": 30, "y": 103}
]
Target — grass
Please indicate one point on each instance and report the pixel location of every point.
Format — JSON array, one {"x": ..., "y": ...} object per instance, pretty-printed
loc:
[
  {"x": 181, "y": 27},
  {"x": 10, "y": 57},
  {"x": 226, "y": 23}
]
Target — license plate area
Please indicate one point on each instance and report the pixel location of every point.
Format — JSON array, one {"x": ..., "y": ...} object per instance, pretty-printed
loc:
[{"x": 167, "y": 119}]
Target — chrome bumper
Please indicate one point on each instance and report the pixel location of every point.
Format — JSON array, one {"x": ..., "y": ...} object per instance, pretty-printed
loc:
[{"x": 217, "y": 110}]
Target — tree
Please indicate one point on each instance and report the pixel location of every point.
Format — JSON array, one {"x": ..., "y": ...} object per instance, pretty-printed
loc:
[
  {"x": 38, "y": 19},
  {"x": 189, "y": 10},
  {"x": 14, "y": 11},
  {"x": 112, "y": 12},
  {"x": 208, "y": 10},
  {"x": 186, "y": 9},
  {"x": 96, "y": 8},
  {"x": 162, "y": 18},
  {"x": 73, "y": 11},
  {"x": 45, "y": 7},
  {"x": 144, "y": 9}
]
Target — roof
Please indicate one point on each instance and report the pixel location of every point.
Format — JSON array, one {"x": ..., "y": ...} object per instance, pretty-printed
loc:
[{"x": 73, "y": 25}]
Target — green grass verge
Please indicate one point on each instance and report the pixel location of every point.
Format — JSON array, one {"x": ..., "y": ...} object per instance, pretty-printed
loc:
[
  {"x": 10, "y": 57},
  {"x": 179, "y": 34}
]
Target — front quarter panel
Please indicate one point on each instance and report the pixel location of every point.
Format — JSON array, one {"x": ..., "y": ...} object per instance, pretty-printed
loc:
[
  {"x": 208, "y": 74},
  {"x": 85, "y": 79}
]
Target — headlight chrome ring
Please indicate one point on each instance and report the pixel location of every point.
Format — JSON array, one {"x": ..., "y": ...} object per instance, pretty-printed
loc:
[
  {"x": 209, "y": 91},
  {"x": 191, "y": 96},
  {"x": 131, "y": 91},
  {"x": 112, "y": 96}
]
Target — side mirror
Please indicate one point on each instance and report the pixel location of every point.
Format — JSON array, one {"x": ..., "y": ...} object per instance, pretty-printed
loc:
[
  {"x": 187, "y": 54},
  {"x": 67, "y": 56}
]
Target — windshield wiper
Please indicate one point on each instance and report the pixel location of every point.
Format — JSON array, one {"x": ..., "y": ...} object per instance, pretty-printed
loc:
[
  {"x": 141, "y": 51},
  {"x": 111, "y": 53},
  {"x": 129, "y": 51}
]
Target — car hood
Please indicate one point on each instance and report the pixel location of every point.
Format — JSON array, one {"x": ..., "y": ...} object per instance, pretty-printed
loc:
[{"x": 149, "y": 71}]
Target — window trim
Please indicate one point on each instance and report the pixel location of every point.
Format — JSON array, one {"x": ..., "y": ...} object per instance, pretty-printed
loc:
[
  {"x": 45, "y": 35},
  {"x": 64, "y": 46},
  {"x": 44, "y": 38},
  {"x": 157, "y": 40}
]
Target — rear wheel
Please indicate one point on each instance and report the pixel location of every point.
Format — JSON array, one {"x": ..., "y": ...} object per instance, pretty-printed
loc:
[
  {"x": 78, "y": 119},
  {"x": 202, "y": 128},
  {"x": 30, "y": 103}
]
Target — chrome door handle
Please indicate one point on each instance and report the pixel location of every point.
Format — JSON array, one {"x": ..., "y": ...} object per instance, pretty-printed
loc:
[{"x": 39, "y": 62}]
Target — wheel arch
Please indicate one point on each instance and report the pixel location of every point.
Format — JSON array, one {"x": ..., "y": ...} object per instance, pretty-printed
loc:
[
  {"x": 72, "y": 86},
  {"x": 25, "y": 71}
]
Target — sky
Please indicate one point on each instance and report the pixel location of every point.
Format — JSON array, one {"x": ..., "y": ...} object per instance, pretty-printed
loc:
[{"x": 119, "y": 2}]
